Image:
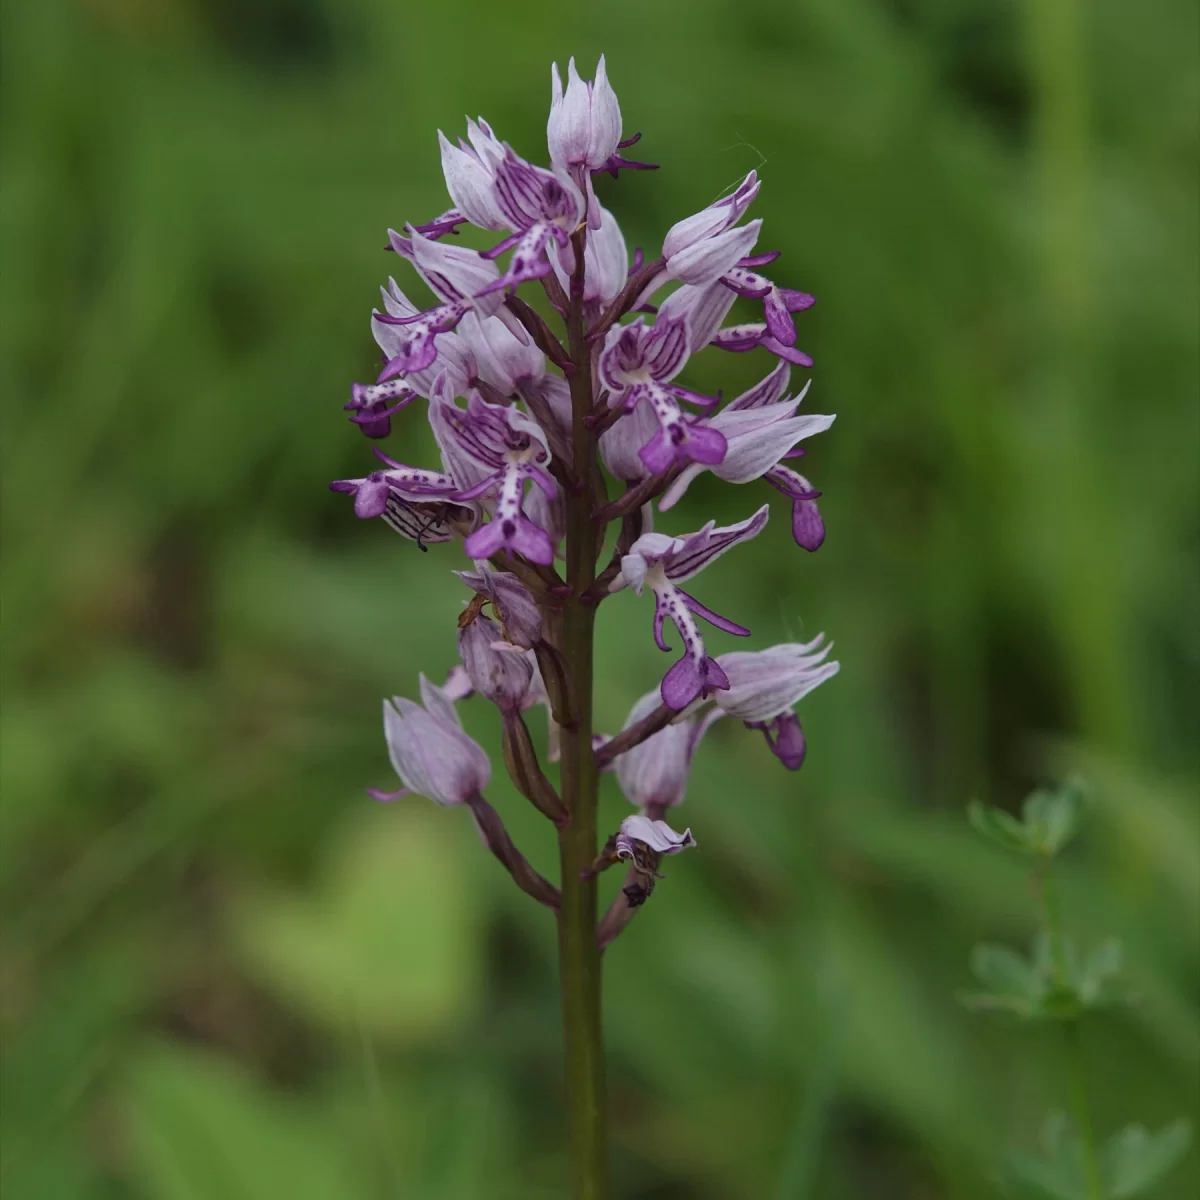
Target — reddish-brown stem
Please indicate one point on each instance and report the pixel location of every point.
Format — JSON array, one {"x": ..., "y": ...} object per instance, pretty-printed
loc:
[
  {"x": 579, "y": 954},
  {"x": 638, "y": 495},
  {"x": 618, "y": 914},
  {"x": 625, "y": 298},
  {"x": 520, "y": 758},
  {"x": 496, "y": 838},
  {"x": 637, "y": 733},
  {"x": 541, "y": 333}
]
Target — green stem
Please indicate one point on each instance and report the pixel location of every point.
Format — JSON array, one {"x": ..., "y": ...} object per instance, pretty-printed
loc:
[
  {"x": 1082, "y": 1108},
  {"x": 1076, "y": 1077},
  {"x": 579, "y": 955}
]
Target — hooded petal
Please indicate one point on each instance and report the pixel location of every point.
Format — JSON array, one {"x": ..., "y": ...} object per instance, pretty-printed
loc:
[
  {"x": 470, "y": 183},
  {"x": 453, "y": 272},
  {"x": 765, "y": 683},
  {"x": 683, "y": 557},
  {"x": 431, "y": 753},
  {"x": 713, "y": 220},
  {"x": 709, "y": 260}
]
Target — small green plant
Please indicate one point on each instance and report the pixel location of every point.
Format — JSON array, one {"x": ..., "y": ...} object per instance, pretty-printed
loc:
[{"x": 1059, "y": 983}]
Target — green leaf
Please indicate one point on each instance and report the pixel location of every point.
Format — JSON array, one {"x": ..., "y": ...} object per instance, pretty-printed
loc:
[
  {"x": 199, "y": 1128},
  {"x": 1058, "y": 1172},
  {"x": 1135, "y": 1159},
  {"x": 389, "y": 940},
  {"x": 999, "y": 826},
  {"x": 1052, "y": 818},
  {"x": 1012, "y": 982},
  {"x": 1096, "y": 976}
]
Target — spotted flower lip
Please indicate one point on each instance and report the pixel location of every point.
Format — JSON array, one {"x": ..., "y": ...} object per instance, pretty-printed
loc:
[
  {"x": 658, "y": 835},
  {"x": 739, "y": 338},
  {"x": 662, "y": 563},
  {"x": 429, "y": 750}
]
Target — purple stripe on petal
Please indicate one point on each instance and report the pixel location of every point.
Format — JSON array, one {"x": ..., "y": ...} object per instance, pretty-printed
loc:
[
  {"x": 713, "y": 618},
  {"x": 767, "y": 391},
  {"x": 665, "y": 350}
]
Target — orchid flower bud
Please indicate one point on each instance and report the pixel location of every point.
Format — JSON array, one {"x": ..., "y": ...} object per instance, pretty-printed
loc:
[
  {"x": 585, "y": 121},
  {"x": 429, "y": 750},
  {"x": 503, "y": 675}
]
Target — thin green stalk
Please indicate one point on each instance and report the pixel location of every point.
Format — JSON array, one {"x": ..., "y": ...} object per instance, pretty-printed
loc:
[
  {"x": 1082, "y": 1108},
  {"x": 579, "y": 955},
  {"x": 1076, "y": 1077}
]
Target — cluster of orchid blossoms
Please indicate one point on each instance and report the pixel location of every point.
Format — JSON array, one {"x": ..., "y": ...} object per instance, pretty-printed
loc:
[{"x": 502, "y": 394}]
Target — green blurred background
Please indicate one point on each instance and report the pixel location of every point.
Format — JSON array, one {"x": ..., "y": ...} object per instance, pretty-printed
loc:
[{"x": 227, "y": 973}]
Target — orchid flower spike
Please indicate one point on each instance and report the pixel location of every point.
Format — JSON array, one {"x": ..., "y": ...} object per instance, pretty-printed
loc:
[{"x": 533, "y": 366}]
